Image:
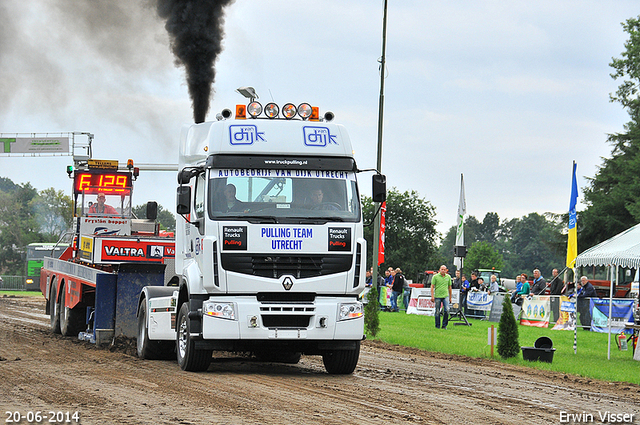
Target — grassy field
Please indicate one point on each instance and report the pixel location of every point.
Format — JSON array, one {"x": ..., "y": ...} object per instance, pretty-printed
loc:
[
  {"x": 21, "y": 293},
  {"x": 590, "y": 361}
]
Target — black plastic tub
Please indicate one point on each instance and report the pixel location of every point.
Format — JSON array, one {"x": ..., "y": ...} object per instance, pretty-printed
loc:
[{"x": 543, "y": 350}]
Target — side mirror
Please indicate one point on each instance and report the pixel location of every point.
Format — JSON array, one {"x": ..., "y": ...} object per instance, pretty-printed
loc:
[
  {"x": 152, "y": 210},
  {"x": 183, "y": 200},
  {"x": 184, "y": 176},
  {"x": 379, "y": 183}
]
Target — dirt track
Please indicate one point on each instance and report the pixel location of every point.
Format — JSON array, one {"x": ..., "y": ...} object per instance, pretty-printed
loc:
[{"x": 40, "y": 371}]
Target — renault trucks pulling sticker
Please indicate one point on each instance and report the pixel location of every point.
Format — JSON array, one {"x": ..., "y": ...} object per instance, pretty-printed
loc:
[
  {"x": 234, "y": 238},
  {"x": 339, "y": 239}
]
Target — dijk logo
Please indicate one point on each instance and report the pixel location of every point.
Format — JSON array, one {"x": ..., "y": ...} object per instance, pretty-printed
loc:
[
  {"x": 245, "y": 135},
  {"x": 318, "y": 136}
]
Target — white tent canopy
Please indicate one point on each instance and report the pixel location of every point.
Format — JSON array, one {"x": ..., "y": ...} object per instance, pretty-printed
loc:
[{"x": 621, "y": 250}]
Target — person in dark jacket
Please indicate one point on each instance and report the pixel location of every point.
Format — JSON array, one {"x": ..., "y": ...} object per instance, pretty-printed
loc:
[
  {"x": 539, "y": 283},
  {"x": 585, "y": 292},
  {"x": 555, "y": 288},
  {"x": 556, "y": 283},
  {"x": 396, "y": 289},
  {"x": 586, "y": 289}
]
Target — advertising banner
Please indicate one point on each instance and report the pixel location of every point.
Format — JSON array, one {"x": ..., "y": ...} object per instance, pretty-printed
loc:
[
  {"x": 567, "y": 319},
  {"x": 477, "y": 300},
  {"x": 536, "y": 312},
  {"x": 385, "y": 296},
  {"x": 420, "y": 302},
  {"x": 621, "y": 313},
  {"x": 35, "y": 145}
]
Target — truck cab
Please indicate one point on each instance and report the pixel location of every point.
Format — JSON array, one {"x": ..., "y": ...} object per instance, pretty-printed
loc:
[{"x": 270, "y": 246}]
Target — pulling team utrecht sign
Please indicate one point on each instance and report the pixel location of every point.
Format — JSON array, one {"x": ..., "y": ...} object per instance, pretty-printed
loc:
[{"x": 287, "y": 238}]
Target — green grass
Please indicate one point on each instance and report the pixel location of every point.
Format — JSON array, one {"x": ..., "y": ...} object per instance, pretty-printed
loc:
[
  {"x": 590, "y": 361},
  {"x": 21, "y": 293}
]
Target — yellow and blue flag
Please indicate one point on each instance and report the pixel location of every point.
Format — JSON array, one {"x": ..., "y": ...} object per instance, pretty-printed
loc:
[{"x": 572, "y": 243}]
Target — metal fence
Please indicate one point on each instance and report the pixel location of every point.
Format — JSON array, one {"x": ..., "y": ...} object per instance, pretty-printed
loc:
[{"x": 12, "y": 283}]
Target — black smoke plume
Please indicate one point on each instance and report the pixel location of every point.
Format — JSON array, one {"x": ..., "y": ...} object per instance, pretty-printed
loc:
[{"x": 195, "y": 28}]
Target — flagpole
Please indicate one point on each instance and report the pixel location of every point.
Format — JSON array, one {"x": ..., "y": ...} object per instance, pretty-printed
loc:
[
  {"x": 376, "y": 232},
  {"x": 572, "y": 245},
  {"x": 459, "y": 251}
]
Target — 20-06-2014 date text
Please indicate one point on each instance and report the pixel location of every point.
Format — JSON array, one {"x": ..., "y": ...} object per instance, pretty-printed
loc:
[{"x": 37, "y": 417}]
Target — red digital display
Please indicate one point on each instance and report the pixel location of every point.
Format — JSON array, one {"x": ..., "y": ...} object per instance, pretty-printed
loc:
[{"x": 106, "y": 182}]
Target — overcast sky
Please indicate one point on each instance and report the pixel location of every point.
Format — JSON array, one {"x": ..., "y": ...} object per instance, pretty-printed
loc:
[{"x": 508, "y": 93}]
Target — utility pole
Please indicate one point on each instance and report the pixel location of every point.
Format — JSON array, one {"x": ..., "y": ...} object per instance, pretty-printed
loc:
[{"x": 376, "y": 231}]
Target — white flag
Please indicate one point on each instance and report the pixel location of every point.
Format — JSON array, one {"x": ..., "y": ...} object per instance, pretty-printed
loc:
[{"x": 462, "y": 210}]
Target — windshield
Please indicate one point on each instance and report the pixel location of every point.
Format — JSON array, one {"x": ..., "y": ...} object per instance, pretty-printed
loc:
[
  {"x": 105, "y": 204},
  {"x": 283, "y": 195}
]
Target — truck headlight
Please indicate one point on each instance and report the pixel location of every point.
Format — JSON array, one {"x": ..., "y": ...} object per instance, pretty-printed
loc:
[
  {"x": 349, "y": 311},
  {"x": 219, "y": 309}
]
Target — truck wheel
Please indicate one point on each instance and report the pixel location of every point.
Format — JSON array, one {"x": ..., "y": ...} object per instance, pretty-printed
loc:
[
  {"x": 71, "y": 319},
  {"x": 189, "y": 358},
  {"x": 148, "y": 349},
  {"x": 341, "y": 362},
  {"x": 54, "y": 309}
]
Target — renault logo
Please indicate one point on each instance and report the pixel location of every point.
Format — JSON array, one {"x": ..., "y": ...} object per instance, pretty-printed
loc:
[{"x": 287, "y": 283}]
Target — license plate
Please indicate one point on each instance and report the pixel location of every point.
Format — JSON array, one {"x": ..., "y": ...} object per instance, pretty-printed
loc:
[{"x": 287, "y": 333}]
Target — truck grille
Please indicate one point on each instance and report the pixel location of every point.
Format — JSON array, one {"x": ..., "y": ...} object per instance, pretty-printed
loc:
[
  {"x": 275, "y": 266},
  {"x": 285, "y": 321}
]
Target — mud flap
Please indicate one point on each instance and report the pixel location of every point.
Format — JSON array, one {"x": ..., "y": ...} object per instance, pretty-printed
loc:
[
  {"x": 131, "y": 279},
  {"x": 105, "y": 309}
]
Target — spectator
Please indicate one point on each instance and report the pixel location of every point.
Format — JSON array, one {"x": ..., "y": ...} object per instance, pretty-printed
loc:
[
  {"x": 493, "y": 285},
  {"x": 518, "y": 283},
  {"x": 368, "y": 279},
  {"x": 406, "y": 296},
  {"x": 440, "y": 286},
  {"x": 396, "y": 289},
  {"x": 474, "y": 281},
  {"x": 389, "y": 279},
  {"x": 519, "y": 296},
  {"x": 586, "y": 289},
  {"x": 464, "y": 288},
  {"x": 585, "y": 292},
  {"x": 474, "y": 285},
  {"x": 457, "y": 281},
  {"x": 380, "y": 281},
  {"x": 556, "y": 283},
  {"x": 539, "y": 283},
  {"x": 555, "y": 288}
]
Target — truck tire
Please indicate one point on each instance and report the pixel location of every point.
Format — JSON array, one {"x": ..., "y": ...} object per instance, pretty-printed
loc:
[
  {"x": 148, "y": 349},
  {"x": 54, "y": 308},
  {"x": 341, "y": 362},
  {"x": 189, "y": 358},
  {"x": 71, "y": 319}
]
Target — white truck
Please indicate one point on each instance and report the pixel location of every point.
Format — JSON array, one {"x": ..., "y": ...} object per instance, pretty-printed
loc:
[{"x": 270, "y": 249}]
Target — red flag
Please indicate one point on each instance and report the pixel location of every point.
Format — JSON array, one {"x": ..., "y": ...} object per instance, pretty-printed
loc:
[{"x": 383, "y": 211}]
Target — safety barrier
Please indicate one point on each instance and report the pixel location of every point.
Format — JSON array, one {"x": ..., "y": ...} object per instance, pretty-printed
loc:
[{"x": 12, "y": 283}]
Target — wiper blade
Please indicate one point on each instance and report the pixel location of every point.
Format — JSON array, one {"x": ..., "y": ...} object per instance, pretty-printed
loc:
[{"x": 261, "y": 220}]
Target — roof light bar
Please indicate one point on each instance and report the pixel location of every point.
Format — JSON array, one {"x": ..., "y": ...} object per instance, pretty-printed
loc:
[
  {"x": 304, "y": 110},
  {"x": 289, "y": 111},
  {"x": 254, "y": 109},
  {"x": 271, "y": 110}
]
